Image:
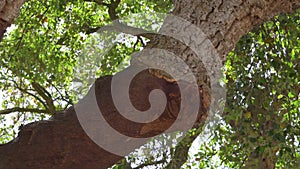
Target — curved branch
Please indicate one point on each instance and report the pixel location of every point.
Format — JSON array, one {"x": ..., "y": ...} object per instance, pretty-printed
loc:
[{"x": 45, "y": 95}]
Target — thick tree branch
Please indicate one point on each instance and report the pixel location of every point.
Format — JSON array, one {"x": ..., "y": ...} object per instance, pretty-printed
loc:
[
  {"x": 112, "y": 9},
  {"x": 45, "y": 95},
  {"x": 225, "y": 22},
  {"x": 64, "y": 136},
  {"x": 19, "y": 109}
]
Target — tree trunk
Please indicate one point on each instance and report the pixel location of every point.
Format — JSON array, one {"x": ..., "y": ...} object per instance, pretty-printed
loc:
[
  {"x": 9, "y": 10},
  {"x": 62, "y": 143}
]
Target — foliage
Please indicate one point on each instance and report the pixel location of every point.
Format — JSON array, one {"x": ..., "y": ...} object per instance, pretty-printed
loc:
[
  {"x": 263, "y": 98},
  {"x": 41, "y": 53}
]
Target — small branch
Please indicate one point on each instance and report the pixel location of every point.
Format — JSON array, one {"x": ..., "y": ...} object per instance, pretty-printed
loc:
[
  {"x": 116, "y": 25},
  {"x": 30, "y": 94},
  {"x": 182, "y": 149},
  {"x": 123, "y": 28},
  {"x": 19, "y": 109},
  {"x": 124, "y": 164},
  {"x": 69, "y": 101},
  {"x": 151, "y": 163},
  {"x": 139, "y": 39}
]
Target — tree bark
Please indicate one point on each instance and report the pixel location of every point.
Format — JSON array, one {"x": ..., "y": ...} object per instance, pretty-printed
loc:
[
  {"x": 62, "y": 143},
  {"x": 9, "y": 10}
]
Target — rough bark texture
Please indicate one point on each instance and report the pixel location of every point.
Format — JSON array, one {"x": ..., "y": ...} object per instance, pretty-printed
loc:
[
  {"x": 9, "y": 10},
  {"x": 61, "y": 143}
]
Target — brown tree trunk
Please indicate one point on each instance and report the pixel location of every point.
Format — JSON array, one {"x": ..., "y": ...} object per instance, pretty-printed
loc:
[
  {"x": 61, "y": 142},
  {"x": 9, "y": 10}
]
